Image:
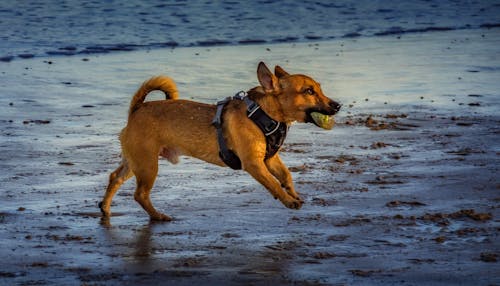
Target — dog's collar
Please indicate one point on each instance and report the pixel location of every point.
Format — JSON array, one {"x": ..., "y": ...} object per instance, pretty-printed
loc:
[{"x": 274, "y": 131}]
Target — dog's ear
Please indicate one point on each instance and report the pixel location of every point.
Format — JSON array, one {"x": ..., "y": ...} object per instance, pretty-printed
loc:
[
  {"x": 280, "y": 72},
  {"x": 267, "y": 79}
]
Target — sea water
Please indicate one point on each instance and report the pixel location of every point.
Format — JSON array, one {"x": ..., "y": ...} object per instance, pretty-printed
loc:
[{"x": 32, "y": 28}]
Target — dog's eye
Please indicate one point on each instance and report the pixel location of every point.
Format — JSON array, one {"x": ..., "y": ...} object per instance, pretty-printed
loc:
[{"x": 309, "y": 91}]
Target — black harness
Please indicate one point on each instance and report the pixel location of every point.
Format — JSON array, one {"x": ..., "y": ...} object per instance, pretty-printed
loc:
[{"x": 274, "y": 131}]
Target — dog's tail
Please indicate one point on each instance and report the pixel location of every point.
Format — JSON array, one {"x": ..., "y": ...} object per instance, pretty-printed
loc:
[{"x": 163, "y": 83}]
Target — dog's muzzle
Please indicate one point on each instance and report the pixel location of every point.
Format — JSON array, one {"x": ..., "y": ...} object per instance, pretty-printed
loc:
[{"x": 335, "y": 106}]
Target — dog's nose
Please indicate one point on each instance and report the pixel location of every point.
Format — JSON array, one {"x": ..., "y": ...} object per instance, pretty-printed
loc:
[{"x": 335, "y": 106}]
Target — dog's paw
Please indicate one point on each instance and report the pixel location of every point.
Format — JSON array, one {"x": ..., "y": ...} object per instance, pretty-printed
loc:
[
  {"x": 297, "y": 197},
  {"x": 105, "y": 221},
  {"x": 293, "y": 194},
  {"x": 160, "y": 217},
  {"x": 293, "y": 203}
]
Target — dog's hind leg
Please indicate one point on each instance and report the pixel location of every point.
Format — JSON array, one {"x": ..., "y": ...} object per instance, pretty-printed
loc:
[
  {"x": 116, "y": 179},
  {"x": 146, "y": 176},
  {"x": 281, "y": 172}
]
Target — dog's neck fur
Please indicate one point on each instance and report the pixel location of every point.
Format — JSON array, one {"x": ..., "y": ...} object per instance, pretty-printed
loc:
[{"x": 269, "y": 104}]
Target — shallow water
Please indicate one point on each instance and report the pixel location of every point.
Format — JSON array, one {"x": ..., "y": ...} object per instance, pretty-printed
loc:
[{"x": 37, "y": 28}]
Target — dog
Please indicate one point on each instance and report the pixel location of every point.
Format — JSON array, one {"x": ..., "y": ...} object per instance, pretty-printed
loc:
[{"x": 173, "y": 127}]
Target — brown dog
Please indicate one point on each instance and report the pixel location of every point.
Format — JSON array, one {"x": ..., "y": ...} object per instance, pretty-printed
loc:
[{"x": 173, "y": 127}]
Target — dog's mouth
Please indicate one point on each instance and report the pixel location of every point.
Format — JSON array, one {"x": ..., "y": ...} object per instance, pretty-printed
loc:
[{"x": 321, "y": 120}]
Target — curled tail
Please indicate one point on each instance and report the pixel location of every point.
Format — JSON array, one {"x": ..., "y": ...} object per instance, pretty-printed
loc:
[{"x": 163, "y": 83}]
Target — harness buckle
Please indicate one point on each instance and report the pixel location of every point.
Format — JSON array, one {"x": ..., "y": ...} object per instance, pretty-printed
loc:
[
  {"x": 240, "y": 95},
  {"x": 252, "y": 106}
]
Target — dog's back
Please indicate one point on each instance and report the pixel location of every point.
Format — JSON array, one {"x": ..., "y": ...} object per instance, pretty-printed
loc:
[{"x": 171, "y": 128}]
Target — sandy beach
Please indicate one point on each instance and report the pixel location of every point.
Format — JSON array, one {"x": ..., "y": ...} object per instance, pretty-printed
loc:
[{"x": 403, "y": 191}]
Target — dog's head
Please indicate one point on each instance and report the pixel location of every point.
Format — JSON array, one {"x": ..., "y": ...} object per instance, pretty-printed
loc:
[{"x": 300, "y": 97}]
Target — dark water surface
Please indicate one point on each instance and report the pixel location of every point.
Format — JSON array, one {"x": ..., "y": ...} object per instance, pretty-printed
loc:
[{"x": 36, "y": 28}]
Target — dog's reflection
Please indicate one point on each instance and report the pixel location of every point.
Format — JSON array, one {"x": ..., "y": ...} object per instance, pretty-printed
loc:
[
  {"x": 137, "y": 247},
  {"x": 144, "y": 251},
  {"x": 143, "y": 243}
]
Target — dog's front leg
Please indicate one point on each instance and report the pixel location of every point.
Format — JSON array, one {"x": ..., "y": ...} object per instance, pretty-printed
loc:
[
  {"x": 281, "y": 172},
  {"x": 260, "y": 172}
]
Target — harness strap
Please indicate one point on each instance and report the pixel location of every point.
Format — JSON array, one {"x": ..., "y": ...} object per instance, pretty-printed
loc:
[
  {"x": 274, "y": 131},
  {"x": 227, "y": 156}
]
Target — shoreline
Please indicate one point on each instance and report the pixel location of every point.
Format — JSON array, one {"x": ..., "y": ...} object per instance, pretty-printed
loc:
[{"x": 102, "y": 49}]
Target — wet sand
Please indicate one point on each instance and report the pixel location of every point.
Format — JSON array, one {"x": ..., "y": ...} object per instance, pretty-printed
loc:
[{"x": 403, "y": 191}]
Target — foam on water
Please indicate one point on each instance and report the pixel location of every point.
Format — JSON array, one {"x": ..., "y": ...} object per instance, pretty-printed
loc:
[{"x": 38, "y": 28}]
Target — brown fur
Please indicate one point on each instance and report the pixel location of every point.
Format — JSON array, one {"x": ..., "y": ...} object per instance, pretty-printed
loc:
[{"x": 172, "y": 127}]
